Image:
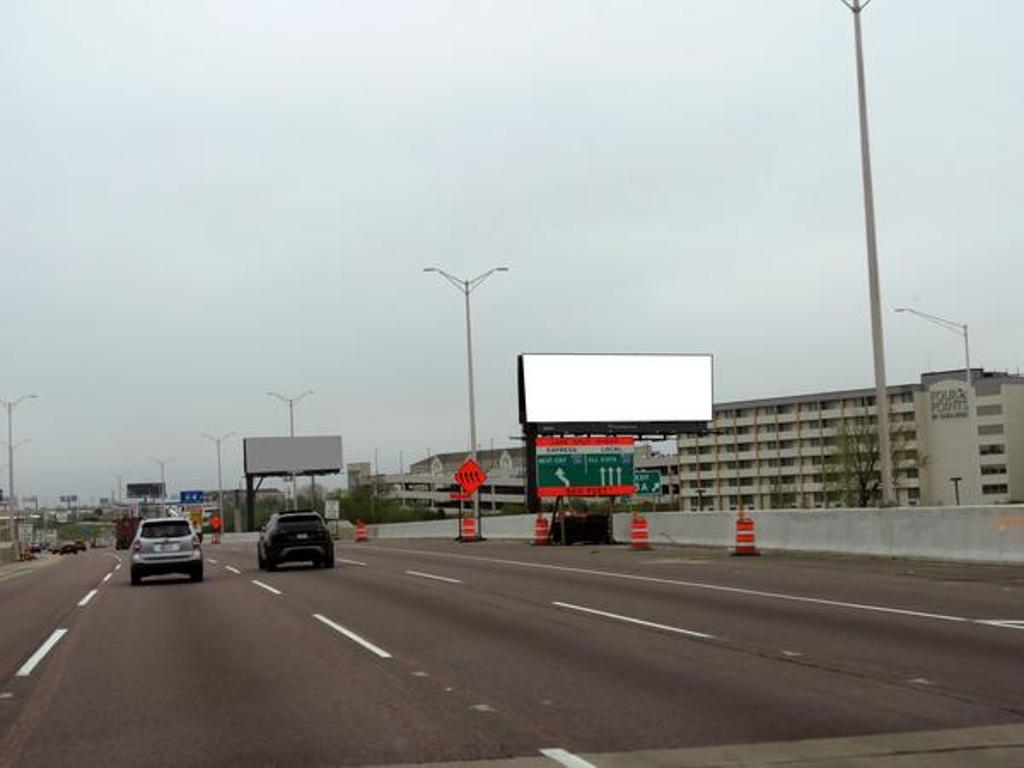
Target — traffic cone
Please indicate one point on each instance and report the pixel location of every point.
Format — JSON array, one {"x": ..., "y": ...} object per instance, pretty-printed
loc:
[
  {"x": 639, "y": 533},
  {"x": 541, "y": 531},
  {"x": 745, "y": 537},
  {"x": 361, "y": 537},
  {"x": 468, "y": 531}
]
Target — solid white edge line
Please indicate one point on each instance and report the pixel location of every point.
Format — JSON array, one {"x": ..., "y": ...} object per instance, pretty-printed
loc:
[
  {"x": 266, "y": 587},
  {"x": 432, "y": 576},
  {"x": 107, "y": 577},
  {"x": 89, "y": 596},
  {"x": 232, "y": 569},
  {"x": 349, "y": 562},
  {"x": 35, "y": 658},
  {"x": 697, "y": 585},
  {"x": 211, "y": 560},
  {"x": 352, "y": 636},
  {"x": 568, "y": 759},
  {"x": 631, "y": 620}
]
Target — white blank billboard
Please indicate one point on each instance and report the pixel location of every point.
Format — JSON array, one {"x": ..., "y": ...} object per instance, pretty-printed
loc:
[
  {"x": 616, "y": 388},
  {"x": 285, "y": 455}
]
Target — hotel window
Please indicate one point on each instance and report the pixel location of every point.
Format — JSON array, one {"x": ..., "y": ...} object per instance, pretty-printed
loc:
[
  {"x": 990, "y": 429},
  {"x": 993, "y": 469},
  {"x": 990, "y": 410},
  {"x": 992, "y": 490},
  {"x": 994, "y": 449}
]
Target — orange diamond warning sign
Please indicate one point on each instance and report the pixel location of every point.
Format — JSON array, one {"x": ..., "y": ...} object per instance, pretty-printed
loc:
[{"x": 470, "y": 476}]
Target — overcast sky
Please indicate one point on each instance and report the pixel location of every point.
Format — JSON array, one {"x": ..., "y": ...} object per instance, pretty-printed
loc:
[{"x": 201, "y": 201}]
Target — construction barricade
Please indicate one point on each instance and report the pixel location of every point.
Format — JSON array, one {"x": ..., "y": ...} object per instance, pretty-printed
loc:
[{"x": 746, "y": 538}]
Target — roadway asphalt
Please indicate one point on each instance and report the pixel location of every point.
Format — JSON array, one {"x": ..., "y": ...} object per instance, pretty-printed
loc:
[{"x": 415, "y": 651}]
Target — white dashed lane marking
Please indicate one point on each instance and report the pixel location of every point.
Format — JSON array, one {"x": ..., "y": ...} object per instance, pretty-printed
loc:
[
  {"x": 631, "y": 620},
  {"x": 568, "y": 759},
  {"x": 434, "y": 577},
  {"x": 88, "y": 596},
  {"x": 266, "y": 587},
  {"x": 45, "y": 648},
  {"x": 352, "y": 636}
]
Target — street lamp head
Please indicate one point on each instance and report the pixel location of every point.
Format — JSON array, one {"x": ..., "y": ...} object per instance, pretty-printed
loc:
[
  {"x": 501, "y": 269},
  {"x": 900, "y": 309},
  {"x": 431, "y": 269}
]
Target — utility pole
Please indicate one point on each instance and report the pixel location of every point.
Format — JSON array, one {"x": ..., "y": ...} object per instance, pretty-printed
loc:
[
  {"x": 10, "y": 405},
  {"x": 874, "y": 291},
  {"x": 290, "y": 402},
  {"x": 466, "y": 287},
  {"x": 373, "y": 490},
  {"x": 220, "y": 482},
  {"x": 163, "y": 463},
  {"x": 973, "y": 472},
  {"x": 120, "y": 485}
]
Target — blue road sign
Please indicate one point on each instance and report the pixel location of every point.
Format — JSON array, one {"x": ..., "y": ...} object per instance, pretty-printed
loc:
[{"x": 192, "y": 497}]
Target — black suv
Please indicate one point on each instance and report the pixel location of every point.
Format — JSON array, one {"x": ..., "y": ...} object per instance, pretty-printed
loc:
[{"x": 295, "y": 537}]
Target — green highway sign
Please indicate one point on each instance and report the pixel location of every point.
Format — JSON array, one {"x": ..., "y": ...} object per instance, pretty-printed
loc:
[
  {"x": 648, "y": 482},
  {"x": 584, "y": 466}
]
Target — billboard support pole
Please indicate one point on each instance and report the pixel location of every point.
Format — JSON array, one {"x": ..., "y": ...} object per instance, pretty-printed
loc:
[
  {"x": 530, "y": 440},
  {"x": 250, "y": 505}
]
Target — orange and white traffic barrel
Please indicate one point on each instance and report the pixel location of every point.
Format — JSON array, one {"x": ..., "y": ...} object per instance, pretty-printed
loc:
[
  {"x": 468, "y": 531},
  {"x": 746, "y": 538},
  {"x": 541, "y": 531},
  {"x": 639, "y": 533}
]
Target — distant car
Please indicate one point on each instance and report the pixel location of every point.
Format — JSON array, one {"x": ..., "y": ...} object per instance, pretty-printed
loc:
[
  {"x": 166, "y": 545},
  {"x": 80, "y": 544},
  {"x": 69, "y": 548},
  {"x": 294, "y": 537}
]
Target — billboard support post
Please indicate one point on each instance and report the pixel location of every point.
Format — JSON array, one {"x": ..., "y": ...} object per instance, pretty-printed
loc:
[
  {"x": 530, "y": 438},
  {"x": 250, "y": 504}
]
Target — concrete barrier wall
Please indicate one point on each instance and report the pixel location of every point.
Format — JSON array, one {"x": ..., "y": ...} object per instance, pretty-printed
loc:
[
  {"x": 974, "y": 534},
  {"x": 7, "y": 553},
  {"x": 504, "y": 527}
]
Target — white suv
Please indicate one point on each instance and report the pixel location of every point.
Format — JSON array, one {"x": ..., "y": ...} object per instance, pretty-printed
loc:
[{"x": 166, "y": 545}]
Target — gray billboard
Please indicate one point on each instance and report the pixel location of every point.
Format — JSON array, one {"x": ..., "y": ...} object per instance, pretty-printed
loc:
[
  {"x": 292, "y": 455},
  {"x": 144, "y": 490}
]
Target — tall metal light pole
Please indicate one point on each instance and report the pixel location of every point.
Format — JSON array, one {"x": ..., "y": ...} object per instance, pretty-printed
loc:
[
  {"x": 290, "y": 402},
  {"x": 10, "y": 405},
  {"x": 120, "y": 486},
  {"x": 466, "y": 287},
  {"x": 162, "y": 463},
  {"x": 881, "y": 391},
  {"x": 972, "y": 416},
  {"x": 220, "y": 480}
]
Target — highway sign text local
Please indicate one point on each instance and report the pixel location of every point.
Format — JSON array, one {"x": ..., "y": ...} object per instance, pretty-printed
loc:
[
  {"x": 584, "y": 466},
  {"x": 192, "y": 497}
]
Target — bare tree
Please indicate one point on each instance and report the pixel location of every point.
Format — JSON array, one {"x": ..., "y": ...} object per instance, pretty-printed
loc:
[{"x": 853, "y": 471}]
